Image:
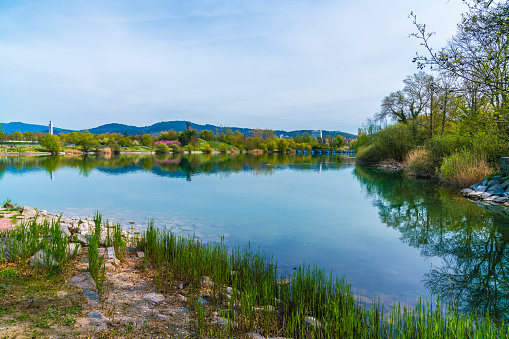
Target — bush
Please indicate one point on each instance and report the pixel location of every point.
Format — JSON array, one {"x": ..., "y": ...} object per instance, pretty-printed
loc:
[
  {"x": 175, "y": 148},
  {"x": 439, "y": 148},
  {"x": 206, "y": 148},
  {"x": 419, "y": 162},
  {"x": 162, "y": 148},
  {"x": 392, "y": 143},
  {"x": 51, "y": 143},
  {"x": 464, "y": 168},
  {"x": 223, "y": 148},
  {"x": 188, "y": 148},
  {"x": 371, "y": 153}
]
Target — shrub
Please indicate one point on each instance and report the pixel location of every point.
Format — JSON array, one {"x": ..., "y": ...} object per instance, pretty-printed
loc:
[
  {"x": 206, "y": 148},
  {"x": 162, "y": 148},
  {"x": 223, "y": 148},
  {"x": 439, "y": 148},
  {"x": 419, "y": 162},
  {"x": 175, "y": 148},
  {"x": 188, "y": 148},
  {"x": 391, "y": 143},
  {"x": 371, "y": 153},
  {"x": 51, "y": 143},
  {"x": 464, "y": 168}
]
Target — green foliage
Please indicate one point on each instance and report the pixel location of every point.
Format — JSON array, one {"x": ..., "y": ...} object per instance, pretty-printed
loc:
[
  {"x": 162, "y": 148},
  {"x": 95, "y": 263},
  {"x": 338, "y": 141},
  {"x": 147, "y": 140},
  {"x": 392, "y": 143},
  {"x": 51, "y": 143},
  {"x": 205, "y": 147},
  {"x": 185, "y": 136},
  {"x": 85, "y": 140},
  {"x": 207, "y": 135},
  {"x": 223, "y": 148},
  {"x": 175, "y": 148},
  {"x": 464, "y": 168},
  {"x": 438, "y": 148}
]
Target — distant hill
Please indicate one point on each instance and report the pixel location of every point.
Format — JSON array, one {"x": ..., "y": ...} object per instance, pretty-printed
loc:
[
  {"x": 154, "y": 129},
  {"x": 11, "y": 127}
]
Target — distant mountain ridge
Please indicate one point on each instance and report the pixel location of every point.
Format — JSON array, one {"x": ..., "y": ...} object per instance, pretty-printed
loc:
[{"x": 155, "y": 129}]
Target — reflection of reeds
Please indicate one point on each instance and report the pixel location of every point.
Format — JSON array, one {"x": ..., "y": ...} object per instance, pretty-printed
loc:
[{"x": 305, "y": 304}]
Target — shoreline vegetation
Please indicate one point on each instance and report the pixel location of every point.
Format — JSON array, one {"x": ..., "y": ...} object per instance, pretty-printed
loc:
[
  {"x": 212, "y": 291},
  {"x": 451, "y": 123}
]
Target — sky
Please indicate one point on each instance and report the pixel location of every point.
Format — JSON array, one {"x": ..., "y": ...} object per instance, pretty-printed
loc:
[{"x": 278, "y": 64}]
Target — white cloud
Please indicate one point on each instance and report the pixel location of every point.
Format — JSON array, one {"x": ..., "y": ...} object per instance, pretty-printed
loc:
[{"x": 294, "y": 65}]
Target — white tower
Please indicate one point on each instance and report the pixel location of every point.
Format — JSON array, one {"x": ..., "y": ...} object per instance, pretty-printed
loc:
[{"x": 50, "y": 127}]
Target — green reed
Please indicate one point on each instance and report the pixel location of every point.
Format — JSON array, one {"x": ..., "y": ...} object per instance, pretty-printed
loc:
[
  {"x": 96, "y": 265},
  {"x": 311, "y": 304}
]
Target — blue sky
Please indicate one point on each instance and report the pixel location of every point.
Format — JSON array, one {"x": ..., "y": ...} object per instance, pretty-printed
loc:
[{"x": 299, "y": 64}]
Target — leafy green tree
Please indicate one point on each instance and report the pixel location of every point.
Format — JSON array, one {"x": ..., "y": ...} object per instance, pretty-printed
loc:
[
  {"x": 51, "y": 143},
  {"x": 28, "y": 136},
  {"x": 271, "y": 145},
  {"x": 338, "y": 141},
  {"x": 283, "y": 144},
  {"x": 85, "y": 140},
  {"x": 147, "y": 140},
  {"x": 17, "y": 136},
  {"x": 207, "y": 135},
  {"x": 185, "y": 136}
]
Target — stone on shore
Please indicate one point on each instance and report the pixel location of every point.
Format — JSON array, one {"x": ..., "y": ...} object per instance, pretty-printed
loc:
[
  {"x": 83, "y": 280},
  {"x": 41, "y": 259},
  {"x": 5, "y": 225}
]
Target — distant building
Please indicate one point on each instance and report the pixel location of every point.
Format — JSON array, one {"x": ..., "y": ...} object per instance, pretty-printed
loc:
[
  {"x": 316, "y": 134},
  {"x": 349, "y": 140},
  {"x": 50, "y": 127}
]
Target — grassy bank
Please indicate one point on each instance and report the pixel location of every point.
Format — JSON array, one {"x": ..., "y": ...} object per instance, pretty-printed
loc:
[
  {"x": 308, "y": 303},
  {"x": 229, "y": 292}
]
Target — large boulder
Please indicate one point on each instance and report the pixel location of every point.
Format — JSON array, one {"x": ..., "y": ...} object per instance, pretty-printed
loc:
[
  {"x": 28, "y": 211},
  {"x": 41, "y": 259},
  {"x": 9, "y": 248}
]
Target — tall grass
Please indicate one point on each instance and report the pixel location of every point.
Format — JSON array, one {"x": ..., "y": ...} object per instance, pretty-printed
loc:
[
  {"x": 95, "y": 262},
  {"x": 308, "y": 303},
  {"x": 464, "y": 168}
]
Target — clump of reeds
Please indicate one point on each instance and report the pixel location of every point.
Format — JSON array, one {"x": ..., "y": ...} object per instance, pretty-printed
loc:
[
  {"x": 305, "y": 304},
  {"x": 95, "y": 262},
  {"x": 464, "y": 168}
]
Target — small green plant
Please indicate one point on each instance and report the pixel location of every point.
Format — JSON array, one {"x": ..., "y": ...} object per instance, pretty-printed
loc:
[{"x": 95, "y": 262}]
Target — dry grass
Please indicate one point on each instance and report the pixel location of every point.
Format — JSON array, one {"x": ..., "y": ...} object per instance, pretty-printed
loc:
[
  {"x": 464, "y": 169},
  {"x": 415, "y": 155}
]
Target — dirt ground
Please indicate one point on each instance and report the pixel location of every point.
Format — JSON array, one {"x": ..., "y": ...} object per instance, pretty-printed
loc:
[{"x": 35, "y": 305}]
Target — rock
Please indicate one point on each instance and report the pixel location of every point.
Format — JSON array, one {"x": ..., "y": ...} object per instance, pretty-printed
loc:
[
  {"x": 255, "y": 336},
  {"x": 9, "y": 248},
  {"x": 154, "y": 297},
  {"x": 313, "y": 322},
  {"x": 5, "y": 225},
  {"x": 181, "y": 297},
  {"x": 484, "y": 182},
  {"x": 466, "y": 191},
  {"x": 131, "y": 249},
  {"x": 485, "y": 195},
  {"x": 80, "y": 238},
  {"x": 140, "y": 254},
  {"x": 41, "y": 259},
  {"x": 481, "y": 189},
  {"x": 208, "y": 297},
  {"x": 65, "y": 230},
  {"x": 202, "y": 301},
  {"x": 73, "y": 249},
  {"x": 505, "y": 184},
  {"x": 501, "y": 199},
  {"x": 43, "y": 213},
  {"x": 161, "y": 316},
  {"x": 499, "y": 191},
  {"x": 493, "y": 182},
  {"x": 225, "y": 296},
  {"x": 9, "y": 205},
  {"x": 493, "y": 189},
  {"x": 29, "y": 211},
  {"x": 92, "y": 295},
  {"x": 95, "y": 315},
  {"x": 83, "y": 280},
  {"x": 207, "y": 281}
]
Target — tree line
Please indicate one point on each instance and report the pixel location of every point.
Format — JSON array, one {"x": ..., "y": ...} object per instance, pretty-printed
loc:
[
  {"x": 456, "y": 115},
  {"x": 263, "y": 139}
]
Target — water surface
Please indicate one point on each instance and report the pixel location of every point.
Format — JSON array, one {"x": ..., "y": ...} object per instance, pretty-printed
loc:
[{"x": 392, "y": 238}]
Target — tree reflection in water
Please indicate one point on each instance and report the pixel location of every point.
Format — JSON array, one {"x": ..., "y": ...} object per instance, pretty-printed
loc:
[{"x": 471, "y": 240}]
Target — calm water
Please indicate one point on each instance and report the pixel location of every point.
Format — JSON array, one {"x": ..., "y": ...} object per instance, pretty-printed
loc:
[{"x": 392, "y": 238}]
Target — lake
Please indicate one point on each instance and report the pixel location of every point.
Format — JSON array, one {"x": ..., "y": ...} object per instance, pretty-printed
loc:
[{"x": 391, "y": 237}]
